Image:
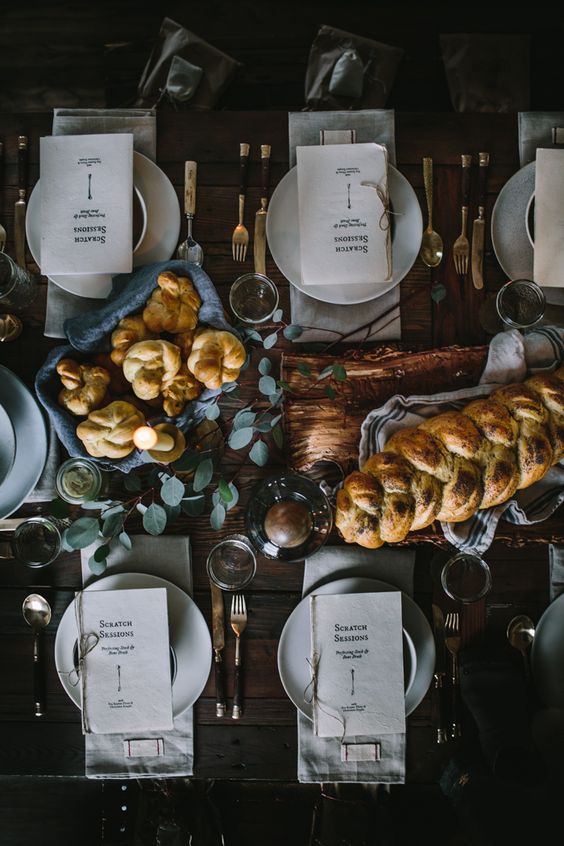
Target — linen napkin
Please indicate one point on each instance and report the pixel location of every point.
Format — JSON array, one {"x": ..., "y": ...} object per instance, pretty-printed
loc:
[
  {"x": 165, "y": 754},
  {"x": 320, "y": 759},
  {"x": 549, "y": 222},
  {"x": 142, "y": 124},
  {"x": 510, "y": 356},
  {"x": 536, "y": 130},
  {"x": 325, "y": 320}
]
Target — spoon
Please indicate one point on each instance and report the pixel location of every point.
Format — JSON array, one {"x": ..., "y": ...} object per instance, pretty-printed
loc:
[
  {"x": 37, "y": 614},
  {"x": 190, "y": 250},
  {"x": 520, "y": 634},
  {"x": 431, "y": 244}
]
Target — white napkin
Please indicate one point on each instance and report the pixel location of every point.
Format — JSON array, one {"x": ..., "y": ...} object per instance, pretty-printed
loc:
[
  {"x": 510, "y": 356},
  {"x": 321, "y": 759},
  {"x": 549, "y": 219},
  {"x": 165, "y": 754}
]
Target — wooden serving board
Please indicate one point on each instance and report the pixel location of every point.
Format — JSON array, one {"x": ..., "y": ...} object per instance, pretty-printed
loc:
[{"x": 319, "y": 428}]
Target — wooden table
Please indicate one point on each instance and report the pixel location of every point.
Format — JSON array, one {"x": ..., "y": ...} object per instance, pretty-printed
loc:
[{"x": 263, "y": 745}]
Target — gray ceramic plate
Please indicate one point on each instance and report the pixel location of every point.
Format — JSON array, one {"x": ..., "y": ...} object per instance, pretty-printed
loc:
[
  {"x": 7, "y": 445},
  {"x": 547, "y": 656}
]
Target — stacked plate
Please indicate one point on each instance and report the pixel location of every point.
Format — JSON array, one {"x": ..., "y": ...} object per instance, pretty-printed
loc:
[{"x": 23, "y": 442}]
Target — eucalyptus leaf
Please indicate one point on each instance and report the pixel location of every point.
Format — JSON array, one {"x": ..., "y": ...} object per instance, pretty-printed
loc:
[
  {"x": 277, "y": 315},
  {"x": 438, "y": 292},
  {"x": 252, "y": 334},
  {"x": 239, "y": 439},
  {"x": 188, "y": 461},
  {"x": 278, "y": 436},
  {"x": 141, "y": 508},
  {"x": 265, "y": 424},
  {"x": 203, "y": 475},
  {"x": 113, "y": 524},
  {"x": 172, "y": 512},
  {"x": 284, "y": 385},
  {"x": 270, "y": 340},
  {"x": 217, "y": 517},
  {"x": 339, "y": 373},
  {"x": 225, "y": 491},
  {"x": 267, "y": 385},
  {"x": 132, "y": 483},
  {"x": 82, "y": 532},
  {"x": 194, "y": 506},
  {"x": 172, "y": 491},
  {"x": 274, "y": 399},
  {"x": 304, "y": 369},
  {"x": 154, "y": 519},
  {"x": 265, "y": 366},
  {"x": 327, "y": 371},
  {"x": 259, "y": 453},
  {"x": 115, "y": 509},
  {"x": 275, "y": 420},
  {"x": 92, "y": 505},
  {"x": 228, "y": 387},
  {"x": 292, "y": 331},
  {"x": 125, "y": 540},
  {"x": 59, "y": 508},
  {"x": 243, "y": 419},
  {"x": 102, "y": 552},
  {"x": 97, "y": 567},
  {"x": 330, "y": 392},
  {"x": 212, "y": 411}
]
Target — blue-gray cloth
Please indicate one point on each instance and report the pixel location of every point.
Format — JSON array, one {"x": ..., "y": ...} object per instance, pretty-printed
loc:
[{"x": 91, "y": 333}]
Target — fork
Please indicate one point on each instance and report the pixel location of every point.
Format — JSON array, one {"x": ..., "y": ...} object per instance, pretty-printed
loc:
[
  {"x": 238, "y": 624},
  {"x": 240, "y": 237},
  {"x": 2, "y": 230},
  {"x": 452, "y": 642},
  {"x": 461, "y": 248}
]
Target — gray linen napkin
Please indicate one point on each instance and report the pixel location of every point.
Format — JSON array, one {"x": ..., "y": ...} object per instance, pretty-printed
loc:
[
  {"x": 308, "y": 128},
  {"x": 535, "y": 130},
  {"x": 556, "y": 569},
  {"x": 510, "y": 356},
  {"x": 168, "y": 557},
  {"x": 45, "y": 489},
  {"x": 142, "y": 123},
  {"x": 319, "y": 758}
]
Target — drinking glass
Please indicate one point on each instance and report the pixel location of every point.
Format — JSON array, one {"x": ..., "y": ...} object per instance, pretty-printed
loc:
[
  {"x": 18, "y": 287},
  {"x": 253, "y": 298},
  {"x": 78, "y": 480},
  {"x": 36, "y": 542},
  {"x": 466, "y": 577},
  {"x": 520, "y": 303},
  {"x": 231, "y": 563}
]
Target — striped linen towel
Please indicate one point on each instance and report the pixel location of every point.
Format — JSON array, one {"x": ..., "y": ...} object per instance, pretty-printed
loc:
[{"x": 511, "y": 356}]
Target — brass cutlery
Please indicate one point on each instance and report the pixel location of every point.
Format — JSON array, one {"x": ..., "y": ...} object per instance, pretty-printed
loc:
[
  {"x": 431, "y": 250},
  {"x": 259, "y": 244},
  {"x": 520, "y": 634},
  {"x": 238, "y": 624},
  {"x": 190, "y": 250},
  {"x": 218, "y": 635},
  {"x": 20, "y": 206},
  {"x": 2, "y": 230},
  {"x": 452, "y": 642},
  {"x": 439, "y": 704},
  {"x": 240, "y": 237},
  {"x": 461, "y": 247},
  {"x": 479, "y": 225}
]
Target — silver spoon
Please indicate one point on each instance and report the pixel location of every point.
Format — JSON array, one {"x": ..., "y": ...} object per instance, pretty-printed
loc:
[
  {"x": 431, "y": 250},
  {"x": 37, "y": 614},
  {"x": 520, "y": 634},
  {"x": 190, "y": 250}
]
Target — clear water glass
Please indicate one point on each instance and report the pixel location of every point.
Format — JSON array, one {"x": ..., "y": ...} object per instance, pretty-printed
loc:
[
  {"x": 253, "y": 298},
  {"x": 466, "y": 578},
  {"x": 520, "y": 303},
  {"x": 38, "y": 541},
  {"x": 78, "y": 480},
  {"x": 18, "y": 287},
  {"x": 231, "y": 563}
]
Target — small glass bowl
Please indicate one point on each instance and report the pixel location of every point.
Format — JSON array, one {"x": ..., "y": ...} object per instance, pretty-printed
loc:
[
  {"x": 466, "y": 578},
  {"x": 231, "y": 563},
  {"x": 253, "y": 298},
  {"x": 84, "y": 475},
  {"x": 293, "y": 488},
  {"x": 520, "y": 303}
]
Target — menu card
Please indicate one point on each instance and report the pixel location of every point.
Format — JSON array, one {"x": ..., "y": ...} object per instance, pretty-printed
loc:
[
  {"x": 124, "y": 660},
  {"x": 549, "y": 218},
  {"x": 86, "y": 204},
  {"x": 343, "y": 214},
  {"x": 357, "y": 664}
]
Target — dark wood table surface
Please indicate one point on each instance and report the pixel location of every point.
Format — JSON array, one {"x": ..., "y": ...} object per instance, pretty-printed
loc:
[{"x": 263, "y": 745}]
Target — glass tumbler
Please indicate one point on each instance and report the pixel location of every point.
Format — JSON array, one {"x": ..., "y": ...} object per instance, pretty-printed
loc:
[
  {"x": 466, "y": 577},
  {"x": 520, "y": 303},
  {"x": 231, "y": 563},
  {"x": 18, "y": 287},
  {"x": 36, "y": 542},
  {"x": 253, "y": 298}
]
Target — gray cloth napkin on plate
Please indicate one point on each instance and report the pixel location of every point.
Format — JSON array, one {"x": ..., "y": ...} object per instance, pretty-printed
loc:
[
  {"x": 535, "y": 130},
  {"x": 510, "y": 356},
  {"x": 45, "y": 489},
  {"x": 309, "y": 128},
  {"x": 556, "y": 569},
  {"x": 142, "y": 123},
  {"x": 168, "y": 557},
  {"x": 319, "y": 758}
]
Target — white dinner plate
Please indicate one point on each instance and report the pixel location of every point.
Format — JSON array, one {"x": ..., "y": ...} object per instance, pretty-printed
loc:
[
  {"x": 189, "y": 639},
  {"x": 161, "y": 235},
  {"x": 7, "y": 445},
  {"x": 547, "y": 655},
  {"x": 283, "y": 235},
  {"x": 30, "y": 441},
  {"x": 294, "y": 649}
]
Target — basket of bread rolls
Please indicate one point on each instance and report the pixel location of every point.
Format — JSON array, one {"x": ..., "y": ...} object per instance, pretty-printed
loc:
[{"x": 158, "y": 350}]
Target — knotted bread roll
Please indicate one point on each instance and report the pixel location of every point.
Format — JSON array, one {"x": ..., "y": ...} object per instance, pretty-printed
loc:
[
  {"x": 174, "y": 306},
  {"x": 84, "y": 386},
  {"x": 456, "y": 463},
  {"x": 216, "y": 357},
  {"x": 148, "y": 365},
  {"x": 108, "y": 432},
  {"x": 130, "y": 330}
]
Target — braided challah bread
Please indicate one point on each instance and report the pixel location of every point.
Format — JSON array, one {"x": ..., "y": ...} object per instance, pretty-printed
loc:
[{"x": 455, "y": 463}]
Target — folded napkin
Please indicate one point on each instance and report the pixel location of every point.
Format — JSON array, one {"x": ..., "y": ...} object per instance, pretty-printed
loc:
[
  {"x": 510, "y": 356},
  {"x": 556, "y": 569},
  {"x": 325, "y": 320},
  {"x": 549, "y": 222},
  {"x": 45, "y": 489},
  {"x": 536, "y": 130},
  {"x": 163, "y": 754},
  {"x": 356, "y": 759},
  {"x": 142, "y": 123}
]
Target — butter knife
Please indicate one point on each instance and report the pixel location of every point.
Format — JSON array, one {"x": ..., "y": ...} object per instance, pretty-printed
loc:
[
  {"x": 20, "y": 206},
  {"x": 259, "y": 247},
  {"x": 479, "y": 226},
  {"x": 218, "y": 637},
  {"x": 439, "y": 688}
]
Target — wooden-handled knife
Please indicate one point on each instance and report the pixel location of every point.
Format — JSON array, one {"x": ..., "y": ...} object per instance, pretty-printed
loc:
[
  {"x": 479, "y": 226},
  {"x": 260, "y": 217},
  {"x": 20, "y": 206},
  {"x": 218, "y": 637}
]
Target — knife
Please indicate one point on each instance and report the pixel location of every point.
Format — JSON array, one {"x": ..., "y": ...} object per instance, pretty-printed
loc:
[
  {"x": 439, "y": 688},
  {"x": 479, "y": 226},
  {"x": 218, "y": 635},
  {"x": 260, "y": 217},
  {"x": 20, "y": 206}
]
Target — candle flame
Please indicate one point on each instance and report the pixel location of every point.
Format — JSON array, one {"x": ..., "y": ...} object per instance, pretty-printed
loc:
[{"x": 145, "y": 437}]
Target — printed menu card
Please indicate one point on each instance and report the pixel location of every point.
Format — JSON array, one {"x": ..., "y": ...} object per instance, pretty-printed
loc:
[
  {"x": 86, "y": 184},
  {"x": 357, "y": 664},
  {"x": 343, "y": 214},
  {"x": 124, "y": 667}
]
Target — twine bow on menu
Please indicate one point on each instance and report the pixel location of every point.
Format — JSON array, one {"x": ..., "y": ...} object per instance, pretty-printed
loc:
[
  {"x": 260, "y": 217},
  {"x": 20, "y": 206},
  {"x": 479, "y": 227}
]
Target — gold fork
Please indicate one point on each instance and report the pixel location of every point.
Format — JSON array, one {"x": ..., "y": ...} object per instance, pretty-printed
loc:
[
  {"x": 461, "y": 248},
  {"x": 240, "y": 237},
  {"x": 238, "y": 624},
  {"x": 452, "y": 642}
]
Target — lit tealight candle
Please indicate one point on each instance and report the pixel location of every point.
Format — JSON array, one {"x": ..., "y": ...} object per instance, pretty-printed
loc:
[{"x": 147, "y": 438}]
